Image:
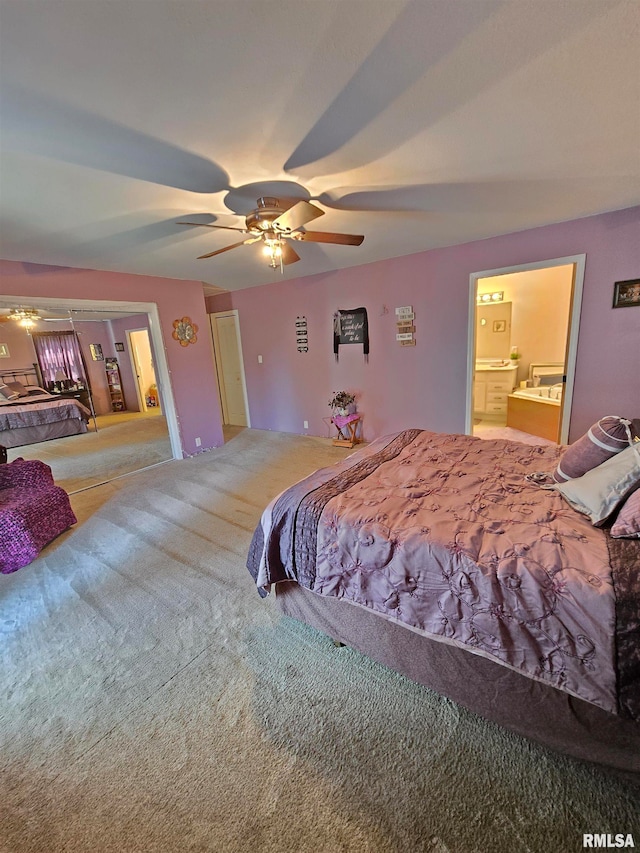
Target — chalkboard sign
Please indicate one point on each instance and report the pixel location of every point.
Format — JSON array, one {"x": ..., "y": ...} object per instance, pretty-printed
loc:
[{"x": 351, "y": 327}]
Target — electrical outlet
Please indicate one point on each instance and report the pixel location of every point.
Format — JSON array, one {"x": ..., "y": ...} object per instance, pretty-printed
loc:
[
  {"x": 198, "y": 441},
  {"x": 259, "y": 359},
  {"x": 305, "y": 424}
]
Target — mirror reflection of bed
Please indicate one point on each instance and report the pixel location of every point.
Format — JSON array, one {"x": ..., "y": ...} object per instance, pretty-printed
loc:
[{"x": 105, "y": 443}]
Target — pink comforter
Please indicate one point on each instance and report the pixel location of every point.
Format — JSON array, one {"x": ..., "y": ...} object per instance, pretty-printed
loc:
[{"x": 448, "y": 537}]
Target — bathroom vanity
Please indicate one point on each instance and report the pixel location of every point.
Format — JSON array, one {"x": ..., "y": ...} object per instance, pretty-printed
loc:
[{"x": 493, "y": 381}]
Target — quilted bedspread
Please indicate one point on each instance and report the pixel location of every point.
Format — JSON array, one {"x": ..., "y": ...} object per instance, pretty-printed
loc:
[{"x": 444, "y": 534}]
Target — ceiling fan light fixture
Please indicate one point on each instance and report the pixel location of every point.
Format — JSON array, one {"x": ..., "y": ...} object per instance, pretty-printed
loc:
[
  {"x": 274, "y": 227},
  {"x": 25, "y": 317},
  {"x": 273, "y": 250}
]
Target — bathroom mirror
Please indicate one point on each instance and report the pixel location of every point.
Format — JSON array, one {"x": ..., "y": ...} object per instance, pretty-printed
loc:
[{"x": 493, "y": 330}]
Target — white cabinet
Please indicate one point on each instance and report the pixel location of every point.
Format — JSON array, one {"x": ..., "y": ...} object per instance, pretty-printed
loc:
[{"x": 490, "y": 391}]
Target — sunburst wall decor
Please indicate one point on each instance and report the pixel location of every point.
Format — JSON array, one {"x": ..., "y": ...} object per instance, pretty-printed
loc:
[{"x": 185, "y": 331}]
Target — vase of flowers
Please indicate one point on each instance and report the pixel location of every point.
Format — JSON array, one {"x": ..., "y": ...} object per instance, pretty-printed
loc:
[{"x": 342, "y": 403}]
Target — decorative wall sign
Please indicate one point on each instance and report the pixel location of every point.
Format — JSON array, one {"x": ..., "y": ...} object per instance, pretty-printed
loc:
[
  {"x": 351, "y": 327},
  {"x": 96, "y": 352},
  {"x": 626, "y": 293},
  {"x": 302, "y": 337},
  {"x": 185, "y": 331},
  {"x": 404, "y": 326},
  {"x": 4, "y": 351}
]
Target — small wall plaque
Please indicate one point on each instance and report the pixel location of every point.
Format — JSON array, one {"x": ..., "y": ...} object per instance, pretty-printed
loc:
[
  {"x": 626, "y": 293},
  {"x": 302, "y": 336}
]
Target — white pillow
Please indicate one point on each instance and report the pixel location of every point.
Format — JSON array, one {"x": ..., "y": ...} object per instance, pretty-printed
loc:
[{"x": 601, "y": 490}]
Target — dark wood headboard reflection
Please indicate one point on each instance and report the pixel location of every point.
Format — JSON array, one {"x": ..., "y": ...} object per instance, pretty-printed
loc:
[{"x": 28, "y": 376}]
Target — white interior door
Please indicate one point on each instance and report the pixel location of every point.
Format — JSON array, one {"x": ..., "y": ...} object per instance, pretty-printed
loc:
[{"x": 230, "y": 367}]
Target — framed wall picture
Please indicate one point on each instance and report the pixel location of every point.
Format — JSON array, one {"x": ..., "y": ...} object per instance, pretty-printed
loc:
[
  {"x": 626, "y": 293},
  {"x": 4, "y": 351},
  {"x": 119, "y": 347},
  {"x": 499, "y": 325},
  {"x": 96, "y": 352}
]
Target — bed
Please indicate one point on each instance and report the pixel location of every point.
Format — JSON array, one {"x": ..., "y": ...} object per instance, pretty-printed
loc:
[
  {"x": 444, "y": 557},
  {"x": 29, "y": 414}
]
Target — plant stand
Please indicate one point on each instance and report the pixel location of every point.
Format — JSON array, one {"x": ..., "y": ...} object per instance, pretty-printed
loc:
[{"x": 346, "y": 426}]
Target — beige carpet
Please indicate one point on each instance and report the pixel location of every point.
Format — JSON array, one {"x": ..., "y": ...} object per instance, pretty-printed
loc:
[
  {"x": 485, "y": 430},
  {"x": 124, "y": 442},
  {"x": 151, "y": 701}
]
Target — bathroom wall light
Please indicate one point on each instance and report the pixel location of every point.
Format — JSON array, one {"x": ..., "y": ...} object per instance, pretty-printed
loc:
[{"x": 490, "y": 297}]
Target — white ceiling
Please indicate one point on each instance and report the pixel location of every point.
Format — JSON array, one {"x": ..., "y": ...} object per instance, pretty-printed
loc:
[{"x": 418, "y": 124}]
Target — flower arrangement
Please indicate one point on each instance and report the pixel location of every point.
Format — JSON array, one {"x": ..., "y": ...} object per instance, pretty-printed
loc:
[{"x": 341, "y": 401}]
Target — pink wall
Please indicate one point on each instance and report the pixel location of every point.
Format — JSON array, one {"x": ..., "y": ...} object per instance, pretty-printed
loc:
[
  {"x": 95, "y": 332},
  {"x": 191, "y": 368},
  {"x": 425, "y": 385},
  {"x": 21, "y": 352}
]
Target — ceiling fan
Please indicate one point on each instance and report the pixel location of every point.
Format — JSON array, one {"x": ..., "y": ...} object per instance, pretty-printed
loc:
[
  {"x": 24, "y": 317},
  {"x": 27, "y": 318},
  {"x": 273, "y": 226}
]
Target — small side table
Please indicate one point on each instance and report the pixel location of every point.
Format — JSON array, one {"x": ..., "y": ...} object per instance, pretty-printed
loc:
[
  {"x": 347, "y": 426},
  {"x": 82, "y": 396}
]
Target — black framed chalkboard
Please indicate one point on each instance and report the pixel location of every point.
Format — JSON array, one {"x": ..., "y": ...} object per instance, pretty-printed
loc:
[{"x": 351, "y": 326}]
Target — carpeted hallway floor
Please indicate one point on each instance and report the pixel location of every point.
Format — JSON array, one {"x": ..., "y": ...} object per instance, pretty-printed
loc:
[{"x": 151, "y": 701}]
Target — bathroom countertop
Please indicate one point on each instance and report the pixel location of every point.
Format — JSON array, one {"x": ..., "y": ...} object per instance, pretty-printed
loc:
[{"x": 496, "y": 366}]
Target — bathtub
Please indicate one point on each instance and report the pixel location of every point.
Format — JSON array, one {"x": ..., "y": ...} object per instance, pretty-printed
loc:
[
  {"x": 541, "y": 394},
  {"x": 535, "y": 410}
]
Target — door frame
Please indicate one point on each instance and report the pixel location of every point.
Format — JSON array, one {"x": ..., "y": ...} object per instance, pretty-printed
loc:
[
  {"x": 155, "y": 331},
  {"x": 232, "y": 312},
  {"x": 578, "y": 262}
]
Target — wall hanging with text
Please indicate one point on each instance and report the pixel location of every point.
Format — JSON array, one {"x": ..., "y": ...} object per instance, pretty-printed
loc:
[
  {"x": 351, "y": 327},
  {"x": 302, "y": 336}
]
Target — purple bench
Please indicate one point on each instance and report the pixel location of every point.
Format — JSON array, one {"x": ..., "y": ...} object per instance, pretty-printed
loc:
[{"x": 33, "y": 511}]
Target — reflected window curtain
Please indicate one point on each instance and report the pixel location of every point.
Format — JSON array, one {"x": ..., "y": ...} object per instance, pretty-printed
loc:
[{"x": 59, "y": 351}]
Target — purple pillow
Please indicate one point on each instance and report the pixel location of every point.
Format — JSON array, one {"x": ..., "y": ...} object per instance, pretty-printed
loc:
[
  {"x": 7, "y": 393},
  {"x": 18, "y": 388},
  {"x": 627, "y": 524},
  {"x": 603, "y": 440}
]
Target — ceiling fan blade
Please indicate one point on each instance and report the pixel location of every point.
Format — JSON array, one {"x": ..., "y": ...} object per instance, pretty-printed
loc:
[
  {"x": 226, "y": 249},
  {"x": 328, "y": 237},
  {"x": 296, "y": 216},
  {"x": 209, "y": 225},
  {"x": 289, "y": 254}
]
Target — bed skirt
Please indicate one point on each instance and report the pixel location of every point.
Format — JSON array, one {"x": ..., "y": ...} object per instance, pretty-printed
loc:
[
  {"x": 42, "y": 432},
  {"x": 527, "y": 707}
]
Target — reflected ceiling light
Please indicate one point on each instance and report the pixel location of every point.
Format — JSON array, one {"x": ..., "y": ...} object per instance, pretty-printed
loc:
[
  {"x": 490, "y": 297},
  {"x": 25, "y": 317}
]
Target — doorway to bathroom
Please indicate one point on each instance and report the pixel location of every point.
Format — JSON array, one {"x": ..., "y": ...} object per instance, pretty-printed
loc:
[
  {"x": 142, "y": 366},
  {"x": 523, "y": 333}
]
